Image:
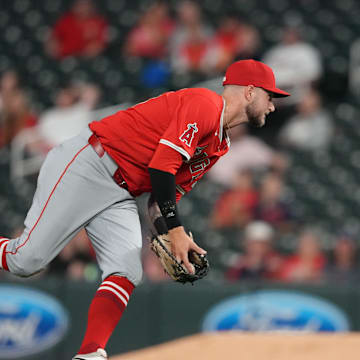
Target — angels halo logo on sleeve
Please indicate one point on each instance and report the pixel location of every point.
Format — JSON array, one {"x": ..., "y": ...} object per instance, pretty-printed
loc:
[
  {"x": 30, "y": 321},
  {"x": 188, "y": 135}
]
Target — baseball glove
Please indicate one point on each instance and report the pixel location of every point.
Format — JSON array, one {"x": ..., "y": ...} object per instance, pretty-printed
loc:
[{"x": 161, "y": 246}]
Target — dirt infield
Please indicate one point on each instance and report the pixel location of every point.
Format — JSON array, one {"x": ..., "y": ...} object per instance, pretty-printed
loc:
[{"x": 232, "y": 345}]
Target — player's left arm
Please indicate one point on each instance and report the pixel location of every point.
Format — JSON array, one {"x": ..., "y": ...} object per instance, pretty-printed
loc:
[
  {"x": 195, "y": 119},
  {"x": 162, "y": 170},
  {"x": 164, "y": 191}
]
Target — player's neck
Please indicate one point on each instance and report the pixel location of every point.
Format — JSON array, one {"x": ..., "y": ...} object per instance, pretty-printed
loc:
[
  {"x": 234, "y": 113},
  {"x": 232, "y": 119}
]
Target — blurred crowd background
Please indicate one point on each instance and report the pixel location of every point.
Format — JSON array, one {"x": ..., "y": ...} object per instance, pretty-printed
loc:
[{"x": 282, "y": 205}]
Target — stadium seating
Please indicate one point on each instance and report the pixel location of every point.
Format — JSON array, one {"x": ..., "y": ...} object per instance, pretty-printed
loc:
[{"x": 322, "y": 186}]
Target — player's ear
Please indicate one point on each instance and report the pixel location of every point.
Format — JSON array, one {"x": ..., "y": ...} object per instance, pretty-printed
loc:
[{"x": 250, "y": 93}]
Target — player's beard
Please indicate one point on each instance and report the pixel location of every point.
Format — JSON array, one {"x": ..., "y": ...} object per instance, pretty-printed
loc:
[{"x": 255, "y": 117}]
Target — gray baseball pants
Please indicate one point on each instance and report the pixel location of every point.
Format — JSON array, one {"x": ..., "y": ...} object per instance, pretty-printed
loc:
[{"x": 75, "y": 189}]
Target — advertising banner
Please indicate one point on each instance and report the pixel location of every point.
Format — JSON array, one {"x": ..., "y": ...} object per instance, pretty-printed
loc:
[
  {"x": 30, "y": 321},
  {"x": 276, "y": 310}
]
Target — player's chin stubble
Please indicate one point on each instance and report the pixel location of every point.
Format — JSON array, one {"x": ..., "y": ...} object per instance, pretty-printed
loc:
[{"x": 255, "y": 118}]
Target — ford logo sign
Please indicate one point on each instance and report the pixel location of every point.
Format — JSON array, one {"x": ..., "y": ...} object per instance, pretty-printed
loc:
[
  {"x": 276, "y": 311},
  {"x": 30, "y": 321}
]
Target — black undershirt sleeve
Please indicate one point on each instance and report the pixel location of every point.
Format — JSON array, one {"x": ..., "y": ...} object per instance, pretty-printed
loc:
[{"x": 164, "y": 191}]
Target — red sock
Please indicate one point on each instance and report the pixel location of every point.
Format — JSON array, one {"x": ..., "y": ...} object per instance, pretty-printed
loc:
[
  {"x": 105, "y": 312},
  {"x": 3, "y": 245}
]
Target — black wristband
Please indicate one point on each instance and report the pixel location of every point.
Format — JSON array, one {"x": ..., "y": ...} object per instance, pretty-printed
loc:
[
  {"x": 169, "y": 212},
  {"x": 160, "y": 225},
  {"x": 164, "y": 191}
]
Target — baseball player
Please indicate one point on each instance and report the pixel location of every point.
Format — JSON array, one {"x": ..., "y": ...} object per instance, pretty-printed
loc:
[{"x": 162, "y": 146}]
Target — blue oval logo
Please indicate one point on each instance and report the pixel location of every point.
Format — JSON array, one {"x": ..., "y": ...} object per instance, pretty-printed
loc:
[
  {"x": 30, "y": 321},
  {"x": 276, "y": 311}
]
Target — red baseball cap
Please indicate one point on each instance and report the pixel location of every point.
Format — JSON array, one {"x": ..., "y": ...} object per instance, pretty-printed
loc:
[{"x": 252, "y": 72}]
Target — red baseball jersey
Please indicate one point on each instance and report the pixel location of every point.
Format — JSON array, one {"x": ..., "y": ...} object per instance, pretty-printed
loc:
[{"x": 180, "y": 132}]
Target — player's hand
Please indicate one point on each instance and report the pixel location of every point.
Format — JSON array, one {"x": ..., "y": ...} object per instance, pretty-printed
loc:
[{"x": 181, "y": 244}]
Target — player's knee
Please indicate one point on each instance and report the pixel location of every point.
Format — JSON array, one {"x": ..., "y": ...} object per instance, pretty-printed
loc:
[
  {"x": 28, "y": 267},
  {"x": 134, "y": 278}
]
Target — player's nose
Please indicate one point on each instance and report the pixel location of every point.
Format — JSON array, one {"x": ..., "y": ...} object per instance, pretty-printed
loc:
[{"x": 271, "y": 107}]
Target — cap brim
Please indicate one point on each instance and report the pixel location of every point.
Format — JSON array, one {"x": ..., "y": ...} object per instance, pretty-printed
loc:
[{"x": 277, "y": 93}]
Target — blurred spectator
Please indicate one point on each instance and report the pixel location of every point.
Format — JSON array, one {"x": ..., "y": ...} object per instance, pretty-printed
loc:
[
  {"x": 272, "y": 206},
  {"x": 234, "y": 40},
  {"x": 307, "y": 264},
  {"x": 259, "y": 260},
  {"x": 311, "y": 128},
  {"x": 246, "y": 152},
  {"x": 191, "y": 49},
  {"x": 235, "y": 207},
  {"x": 16, "y": 115},
  {"x": 76, "y": 260},
  {"x": 149, "y": 38},
  {"x": 71, "y": 113},
  {"x": 81, "y": 31},
  {"x": 296, "y": 63},
  {"x": 9, "y": 84},
  {"x": 155, "y": 73},
  {"x": 342, "y": 267}
]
